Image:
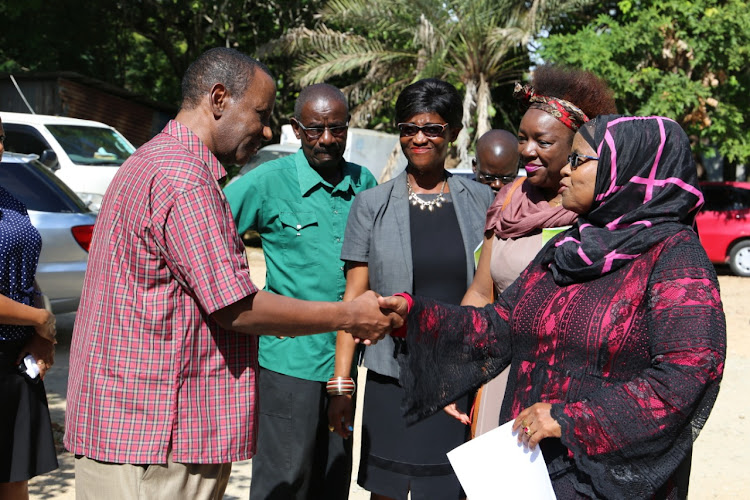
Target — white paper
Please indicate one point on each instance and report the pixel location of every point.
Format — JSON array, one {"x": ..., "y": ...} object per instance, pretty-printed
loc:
[{"x": 494, "y": 465}]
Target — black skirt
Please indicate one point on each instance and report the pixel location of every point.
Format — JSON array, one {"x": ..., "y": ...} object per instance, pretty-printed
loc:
[
  {"x": 27, "y": 447},
  {"x": 397, "y": 458}
]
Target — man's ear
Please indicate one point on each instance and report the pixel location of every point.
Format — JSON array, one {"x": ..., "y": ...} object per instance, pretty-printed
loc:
[
  {"x": 219, "y": 97},
  {"x": 295, "y": 128}
]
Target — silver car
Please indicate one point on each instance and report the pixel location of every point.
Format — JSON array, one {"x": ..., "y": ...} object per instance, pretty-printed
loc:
[{"x": 64, "y": 222}]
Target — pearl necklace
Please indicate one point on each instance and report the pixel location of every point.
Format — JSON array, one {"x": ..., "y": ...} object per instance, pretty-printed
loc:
[{"x": 431, "y": 204}]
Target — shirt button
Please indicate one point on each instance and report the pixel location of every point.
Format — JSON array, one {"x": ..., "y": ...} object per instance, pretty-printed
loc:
[
  {"x": 299, "y": 234},
  {"x": 341, "y": 268},
  {"x": 299, "y": 226},
  {"x": 341, "y": 297},
  {"x": 335, "y": 211}
]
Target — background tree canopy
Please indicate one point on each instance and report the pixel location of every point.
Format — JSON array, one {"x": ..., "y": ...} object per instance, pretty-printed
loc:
[
  {"x": 682, "y": 59},
  {"x": 687, "y": 60}
]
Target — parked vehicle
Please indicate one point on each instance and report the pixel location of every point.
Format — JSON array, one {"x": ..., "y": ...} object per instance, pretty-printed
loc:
[
  {"x": 85, "y": 154},
  {"x": 63, "y": 220},
  {"x": 724, "y": 224}
]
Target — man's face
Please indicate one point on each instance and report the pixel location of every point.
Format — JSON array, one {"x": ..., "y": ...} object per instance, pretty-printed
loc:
[
  {"x": 496, "y": 170},
  {"x": 325, "y": 146},
  {"x": 245, "y": 121}
]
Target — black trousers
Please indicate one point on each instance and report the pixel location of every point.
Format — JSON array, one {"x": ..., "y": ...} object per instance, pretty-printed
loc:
[{"x": 297, "y": 457}]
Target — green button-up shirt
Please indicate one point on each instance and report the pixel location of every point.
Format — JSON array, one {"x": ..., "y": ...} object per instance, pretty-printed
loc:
[{"x": 301, "y": 220}]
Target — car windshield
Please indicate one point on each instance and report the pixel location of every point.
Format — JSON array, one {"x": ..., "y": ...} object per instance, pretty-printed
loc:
[
  {"x": 38, "y": 188},
  {"x": 92, "y": 145}
]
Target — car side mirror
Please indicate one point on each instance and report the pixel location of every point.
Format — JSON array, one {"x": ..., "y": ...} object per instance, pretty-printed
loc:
[{"x": 49, "y": 159}]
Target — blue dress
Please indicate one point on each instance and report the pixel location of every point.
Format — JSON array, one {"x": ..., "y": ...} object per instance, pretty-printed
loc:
[
  {"x": 27, "y": 447},
  {"x": 20, "y": 245}
]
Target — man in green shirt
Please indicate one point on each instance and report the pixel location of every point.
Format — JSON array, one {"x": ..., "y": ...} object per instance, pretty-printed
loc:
[{"x": 299, "y": 204}]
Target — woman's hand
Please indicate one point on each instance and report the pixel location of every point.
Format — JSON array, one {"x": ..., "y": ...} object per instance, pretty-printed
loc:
[
  {"x": 341, "y": 415},
  {"x": 453, "y": 411},
  {"x": 43, "y": 351},
  {"x": 536, "y": 423},
  {"x": 46, "y": 328},
  {"x": 396, "y": 304}
]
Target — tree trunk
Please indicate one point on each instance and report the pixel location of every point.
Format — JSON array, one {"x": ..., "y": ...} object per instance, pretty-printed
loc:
[
  {"x": 484, "y": 101},
  {"x": 464, "y": 138}
]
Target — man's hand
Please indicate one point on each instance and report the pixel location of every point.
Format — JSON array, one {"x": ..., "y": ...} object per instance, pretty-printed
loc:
[
  {"x": 341, "y": 415},
  {"x": 371, "y": 322}
]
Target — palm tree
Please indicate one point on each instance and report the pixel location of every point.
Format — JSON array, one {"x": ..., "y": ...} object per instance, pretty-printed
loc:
[{"x": 385, "y": 45}]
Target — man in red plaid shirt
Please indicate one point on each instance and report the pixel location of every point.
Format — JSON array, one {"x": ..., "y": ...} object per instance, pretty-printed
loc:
[{"x": 161, "y": 395}]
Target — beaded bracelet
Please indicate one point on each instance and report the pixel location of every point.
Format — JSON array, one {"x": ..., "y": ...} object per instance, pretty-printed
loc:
[{"x": 340, "y": 386}]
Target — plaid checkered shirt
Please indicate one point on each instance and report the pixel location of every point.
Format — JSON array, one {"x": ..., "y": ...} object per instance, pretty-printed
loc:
[{"x": 149, "y": 369}]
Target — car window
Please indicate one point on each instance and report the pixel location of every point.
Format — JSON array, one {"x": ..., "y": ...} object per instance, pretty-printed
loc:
[
  {"x": 38, "y": 188},
  {"x": 725, "y": 198},
  {"x": 92, "y": 145},
  {"x": 262, "y": 157},
  {"x": 24, "y": 139}
]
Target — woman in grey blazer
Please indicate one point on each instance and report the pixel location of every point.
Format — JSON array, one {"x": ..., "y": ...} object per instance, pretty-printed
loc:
[{"x": 416, "y": 233}]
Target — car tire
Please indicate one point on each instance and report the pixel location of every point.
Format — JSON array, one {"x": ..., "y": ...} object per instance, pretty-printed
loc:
[{"x": 739, "y": 258}]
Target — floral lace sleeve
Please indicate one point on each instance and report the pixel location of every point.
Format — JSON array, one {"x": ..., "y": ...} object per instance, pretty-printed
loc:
[
  {"x": 632, "y": 436},
  {"x": 451, "y": 351}
]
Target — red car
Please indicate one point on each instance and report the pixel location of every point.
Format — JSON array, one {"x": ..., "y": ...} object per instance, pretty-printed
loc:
[{"x": 724, "y": 224}]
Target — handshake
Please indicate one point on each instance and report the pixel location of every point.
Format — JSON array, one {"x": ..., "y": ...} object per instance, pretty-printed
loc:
[{"x": 371, "y": 317}]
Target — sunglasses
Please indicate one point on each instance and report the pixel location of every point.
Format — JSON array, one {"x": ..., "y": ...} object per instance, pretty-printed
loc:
[
  {"x": 490, "y": 178},
  {"x": 313, "y": 133},
  {"x": 429, "y": 130},
  {"x": 575, "y": 159}
]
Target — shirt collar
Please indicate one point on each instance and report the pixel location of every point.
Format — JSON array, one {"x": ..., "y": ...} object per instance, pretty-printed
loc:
[
  {"x": 309, "y": 178},
  {"x": 195, "y": 146}
]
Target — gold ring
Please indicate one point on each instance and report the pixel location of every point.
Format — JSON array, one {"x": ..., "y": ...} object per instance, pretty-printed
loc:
[{"x": 331, "y": 428}]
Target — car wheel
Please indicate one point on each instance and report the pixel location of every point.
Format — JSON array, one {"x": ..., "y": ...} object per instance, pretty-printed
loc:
[{"x": 739, "y": 258}]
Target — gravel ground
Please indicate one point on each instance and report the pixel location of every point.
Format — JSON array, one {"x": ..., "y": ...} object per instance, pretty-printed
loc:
[{"x": 720, "y": 458}]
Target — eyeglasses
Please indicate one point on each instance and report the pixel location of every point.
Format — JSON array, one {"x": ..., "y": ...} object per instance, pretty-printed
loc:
[
  {"x": 575, "y": 159},
  {"x": 429, "y": 130},
  {"x": 313, "y": 133},
  {"x": 491, "y": 179}
]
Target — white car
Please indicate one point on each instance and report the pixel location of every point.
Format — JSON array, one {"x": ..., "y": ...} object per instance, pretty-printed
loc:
[{"x": 85, "y": 154}]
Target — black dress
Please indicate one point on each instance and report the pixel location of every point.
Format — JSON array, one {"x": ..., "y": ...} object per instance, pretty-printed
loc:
[
  {"x": 397, "y": 458},
  {"x": 27, "y": 448}
]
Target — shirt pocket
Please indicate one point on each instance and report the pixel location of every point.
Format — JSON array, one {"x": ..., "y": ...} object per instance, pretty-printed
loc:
[{"x": 301, "y": 237}]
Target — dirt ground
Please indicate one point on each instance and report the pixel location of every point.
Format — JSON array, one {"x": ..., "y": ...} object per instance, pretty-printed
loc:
[{"x": 720, "y": 459}]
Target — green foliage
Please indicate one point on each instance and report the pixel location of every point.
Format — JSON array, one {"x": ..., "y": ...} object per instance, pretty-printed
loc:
[
  {"x": 685, "y": 60},
  {"x": 380, "y": 46}
]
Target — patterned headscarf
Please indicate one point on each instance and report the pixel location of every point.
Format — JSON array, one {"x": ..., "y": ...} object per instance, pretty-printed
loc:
[
  {"x": 568, "y": 113},
  {"x": 646, "y": 190}
]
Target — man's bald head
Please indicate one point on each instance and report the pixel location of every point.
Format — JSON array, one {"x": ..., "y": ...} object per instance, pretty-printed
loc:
[
  {"x": 496, "y": 162},
  {"x": 318, "y": 91}
]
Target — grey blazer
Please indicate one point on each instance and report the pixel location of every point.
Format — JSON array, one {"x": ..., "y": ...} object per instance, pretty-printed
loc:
[{"x": 377, "y": 232}]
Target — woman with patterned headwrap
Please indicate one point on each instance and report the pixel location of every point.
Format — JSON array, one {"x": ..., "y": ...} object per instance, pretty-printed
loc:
[
  {"x": 615, "y": 333},
  {"x": 557, "y": 102}
]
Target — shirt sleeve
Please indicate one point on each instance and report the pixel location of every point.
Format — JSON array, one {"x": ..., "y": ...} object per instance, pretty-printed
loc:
[
  {"x": 204, "y": 249},
  {"x": 630, "y": 436},
  {"x": 244, "y": 202}
]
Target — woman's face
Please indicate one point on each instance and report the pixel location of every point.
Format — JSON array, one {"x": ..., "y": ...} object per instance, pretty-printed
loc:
[
  {"x": 427, "y": 153},
  {"x": 543, "y": 145},
  {"x": 577, "y": 184}
]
